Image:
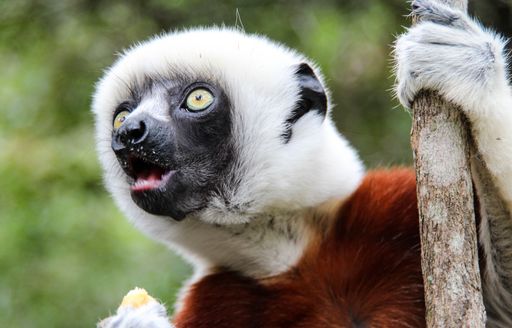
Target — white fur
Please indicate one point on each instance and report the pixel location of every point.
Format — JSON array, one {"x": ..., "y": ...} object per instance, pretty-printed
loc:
[
  {"x": 278, "y": 180},
  {"x": 452, "y": 54}
]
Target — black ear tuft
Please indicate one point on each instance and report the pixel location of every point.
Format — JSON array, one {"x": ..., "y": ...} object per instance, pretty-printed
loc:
[{"x": 311, "y": 97}]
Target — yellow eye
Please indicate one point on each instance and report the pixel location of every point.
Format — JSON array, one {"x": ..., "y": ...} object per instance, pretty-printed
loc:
[
  {"x": 199, "y": 100},
  {"x": 120, "y": 118}
]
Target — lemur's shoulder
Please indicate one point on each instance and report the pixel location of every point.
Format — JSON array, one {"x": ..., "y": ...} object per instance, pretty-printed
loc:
[
  {"x": 385, "y": 201},
  {"x": 363, "y": 271}
]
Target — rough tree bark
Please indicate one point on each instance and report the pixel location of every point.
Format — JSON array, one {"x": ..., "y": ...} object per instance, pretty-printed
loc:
[{"x": 441, "y": 144}]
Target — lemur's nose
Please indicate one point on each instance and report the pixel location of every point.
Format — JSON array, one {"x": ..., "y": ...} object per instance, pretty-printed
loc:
[{"x": 133, "y": 132}]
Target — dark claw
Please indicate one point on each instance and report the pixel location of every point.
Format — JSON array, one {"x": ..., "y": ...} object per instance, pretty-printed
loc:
[
  {"x": 417, "y": 5},
  {"x": 419, "y": 9},
  {"x": 427, "y": 10}
]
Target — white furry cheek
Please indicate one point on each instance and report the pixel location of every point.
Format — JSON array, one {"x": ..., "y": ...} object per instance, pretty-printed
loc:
[{"x": 316, "y": 165}]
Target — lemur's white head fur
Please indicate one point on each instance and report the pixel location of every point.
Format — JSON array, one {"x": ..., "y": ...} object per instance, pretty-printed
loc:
[{"x": 276, "y": 162}]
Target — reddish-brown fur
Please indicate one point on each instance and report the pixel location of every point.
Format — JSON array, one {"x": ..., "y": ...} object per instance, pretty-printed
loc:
[{"x": 363, "y": 271}]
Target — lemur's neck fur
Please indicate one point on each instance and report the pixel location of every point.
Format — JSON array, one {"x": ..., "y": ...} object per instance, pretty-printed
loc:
[{"x": 269, "y": 244}]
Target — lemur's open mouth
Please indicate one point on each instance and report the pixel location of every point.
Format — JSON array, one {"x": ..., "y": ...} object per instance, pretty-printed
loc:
[{"x": 146, "y": 175}]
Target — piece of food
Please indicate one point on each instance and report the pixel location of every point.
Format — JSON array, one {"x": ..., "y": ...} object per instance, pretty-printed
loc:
[{"x": 136, "y": 298}]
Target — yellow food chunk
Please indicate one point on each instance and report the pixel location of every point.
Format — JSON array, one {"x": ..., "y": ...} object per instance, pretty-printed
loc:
[{"x": 136, "y": 298}]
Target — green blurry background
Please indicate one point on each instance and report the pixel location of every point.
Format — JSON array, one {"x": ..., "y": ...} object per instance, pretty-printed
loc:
[{"x": 67, "y": 255}]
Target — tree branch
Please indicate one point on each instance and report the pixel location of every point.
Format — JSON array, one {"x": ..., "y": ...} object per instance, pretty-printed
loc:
[{"x": 441, "y": 145}]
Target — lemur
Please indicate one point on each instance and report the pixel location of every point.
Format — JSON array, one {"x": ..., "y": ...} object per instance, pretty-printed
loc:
[{"x": 220, "y": 145}]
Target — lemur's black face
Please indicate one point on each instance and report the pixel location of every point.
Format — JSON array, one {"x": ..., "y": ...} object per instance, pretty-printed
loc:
[{"x": 174, "y": 151}]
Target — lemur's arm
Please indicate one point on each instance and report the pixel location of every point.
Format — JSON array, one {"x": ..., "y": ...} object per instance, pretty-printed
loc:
[{"x": 452, "y": 54}]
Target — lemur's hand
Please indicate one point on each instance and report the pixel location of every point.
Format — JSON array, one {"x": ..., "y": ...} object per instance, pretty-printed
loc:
[
  {"x": 138, "y": 310},
  {"x": 450, "y": 53}
]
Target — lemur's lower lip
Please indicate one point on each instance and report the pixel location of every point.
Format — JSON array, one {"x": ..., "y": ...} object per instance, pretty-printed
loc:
[{"x": 154, "y": 180}]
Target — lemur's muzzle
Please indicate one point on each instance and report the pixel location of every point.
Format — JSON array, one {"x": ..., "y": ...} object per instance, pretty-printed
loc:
[{"x": 143, "y": 150}]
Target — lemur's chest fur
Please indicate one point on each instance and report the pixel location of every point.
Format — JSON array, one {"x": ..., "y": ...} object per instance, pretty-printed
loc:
[{"x": 361, "y": 270}]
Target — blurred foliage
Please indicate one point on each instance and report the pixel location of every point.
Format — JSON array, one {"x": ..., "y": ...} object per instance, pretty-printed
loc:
[{"x": 67, "y": 254}]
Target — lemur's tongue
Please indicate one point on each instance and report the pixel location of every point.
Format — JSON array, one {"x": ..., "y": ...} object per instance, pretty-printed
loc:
[
  {"x": 149, "y": 176},
  {"x": 147, "y": 182}
]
